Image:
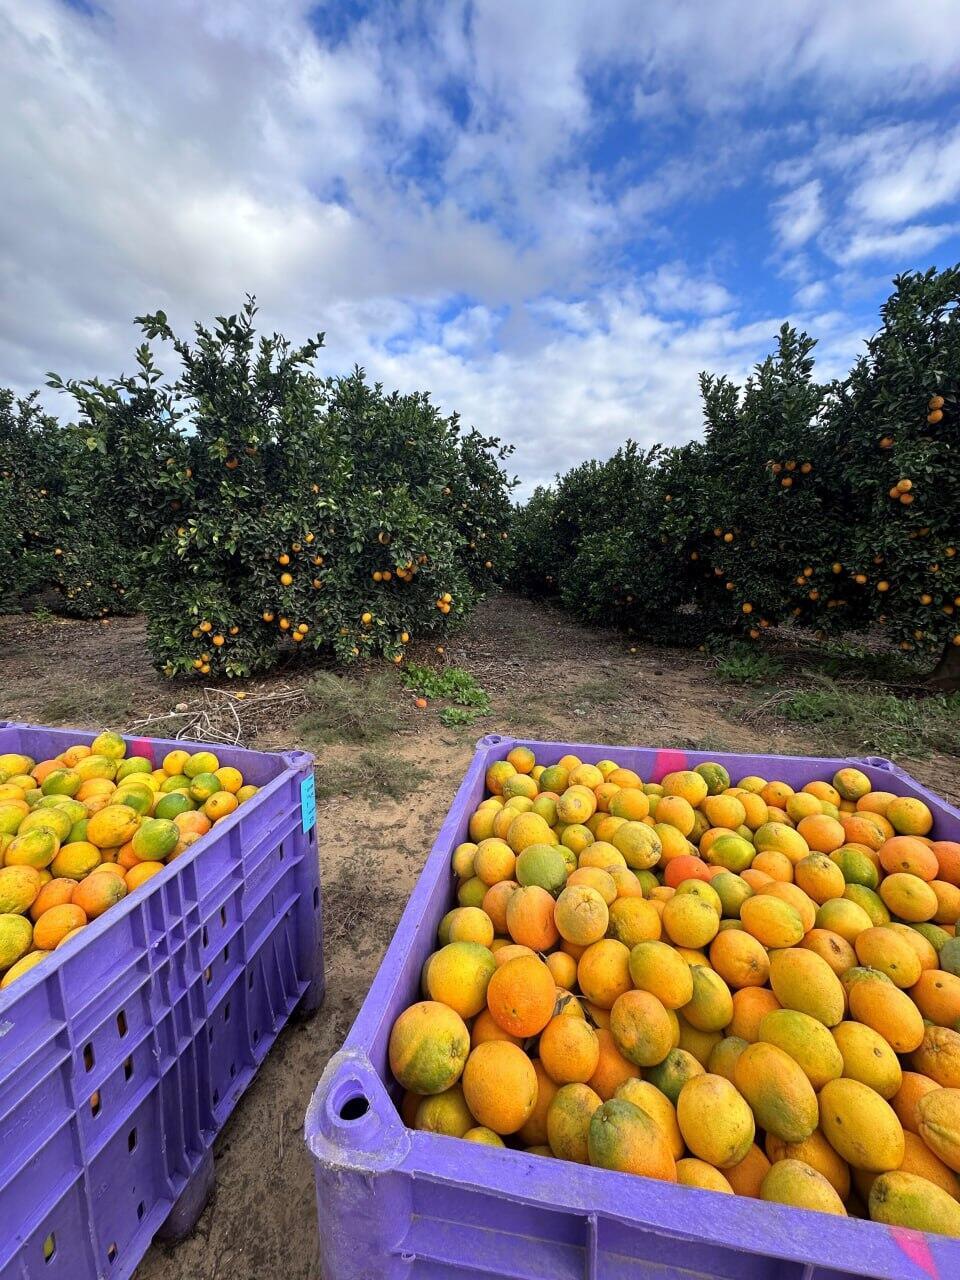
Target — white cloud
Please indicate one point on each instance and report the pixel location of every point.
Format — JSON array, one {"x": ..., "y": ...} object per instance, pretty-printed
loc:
[
  {"x": 423, "y": 188},
  {"x": 901, "y": 246},
  {"x": 810, "y": 294},
  {"x": 673, "y": 289},
  {"x": 901, "y": 182},
  {"x": 800, "y": 214}
]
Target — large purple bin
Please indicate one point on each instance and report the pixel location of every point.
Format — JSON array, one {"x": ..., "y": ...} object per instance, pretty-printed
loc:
[
  {"x": 395, "y": 1204},
  {"x": 122, "y": 1056}
]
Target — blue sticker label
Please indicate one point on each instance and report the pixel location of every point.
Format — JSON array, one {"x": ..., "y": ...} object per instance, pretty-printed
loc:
[{"x": 308, "y": 803}]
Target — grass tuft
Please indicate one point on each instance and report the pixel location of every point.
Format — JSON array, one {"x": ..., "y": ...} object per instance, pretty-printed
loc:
[
  {"x": 349, "y": 710},
  {"x": 370, "y": 774},
  {"x": 744, "y": 664},
  {"x": 874, "y": 720},
  {"x": 88, "y": 704}
]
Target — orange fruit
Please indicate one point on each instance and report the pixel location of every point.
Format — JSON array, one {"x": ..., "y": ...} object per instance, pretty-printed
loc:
[
  {"x": 55, "y": 923},
  {"x": 98, "y": 892},
  {"x": 521, "y": 996},
  {"x": 500, "y": 1086},
  {"x": 569, "y": 1050},
  {"x": 220, "y": 804},
  {"x": 142, "y": 872}
]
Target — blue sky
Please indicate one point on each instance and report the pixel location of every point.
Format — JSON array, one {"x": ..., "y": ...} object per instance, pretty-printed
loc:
[{"x": 550, "y": 214}]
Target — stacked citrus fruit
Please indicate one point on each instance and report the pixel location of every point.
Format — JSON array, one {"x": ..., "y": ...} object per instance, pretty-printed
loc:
[
  {"x": 81, "y": 831},
  {"x": 745, "y": 988}
]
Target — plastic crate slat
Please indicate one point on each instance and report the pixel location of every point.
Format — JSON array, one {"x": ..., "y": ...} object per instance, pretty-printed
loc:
[
  {"x": 106, "y": 1111},
  {"x": 401, "y": 1205}
]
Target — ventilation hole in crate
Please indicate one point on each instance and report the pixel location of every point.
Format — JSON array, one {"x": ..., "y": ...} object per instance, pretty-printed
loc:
[
  {"x": 226, "y": 1012},
  {"x": 122, "y": 1023},
  {"x": 226, "y": 953},
  {"x": 280, "y": 852},
  {"x": 49, "y": 1247},
  {"x": 210, "y": 1035},
  {"x": 95, "y": 1102},
  {"x": 204, "y": 936},
  {"x": 141, "y": 1210},
  {"x": 127, "y": 1068},
  {"x": 112, "y": 1252},
  {"x": 355, "y": 1107},
  {"x": 316, "y": 899},
  {"x": 88, "y": 1058},
  {"x": 256, "y": 1037},
  {"x": 250, "y": 980},
  {"x": 208, "y": 975},
  {"x": 132, "y": 1140},
  {"x": 216, "y": 1096},
  {"x": 223, "y": 916},
  {"x": 233, "y": 1069}
]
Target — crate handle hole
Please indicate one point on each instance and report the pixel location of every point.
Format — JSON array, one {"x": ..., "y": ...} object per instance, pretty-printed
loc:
[
  {"x": 49, "y": 1246},
  {"x": 88, "y": 1058},
  {"x": 122, "y": 1023},
  {"x": 354, "y": 1108}
]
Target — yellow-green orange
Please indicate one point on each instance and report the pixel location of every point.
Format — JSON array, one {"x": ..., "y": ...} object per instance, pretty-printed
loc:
[
  {"x": 807, "y": 1041},
  {"x": 779, "y": 1093},
  {"x": 860, "y": 1126},
  {"x": 429, "y": 1045},
  {"x": 795, "y": 1183},
  {"x": 905, "y": 1200},
  {"x": 715, "y": 1120}
]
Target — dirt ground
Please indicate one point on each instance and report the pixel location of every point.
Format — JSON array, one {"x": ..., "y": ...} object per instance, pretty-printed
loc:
[{"x": 547, "y": 678}]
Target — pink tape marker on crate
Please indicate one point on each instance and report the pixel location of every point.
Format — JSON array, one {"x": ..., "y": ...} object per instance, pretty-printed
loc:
[
  {"x": 915, "y": 1246},
  {"x": 142, "y": 747},
  {"x": 668, "y": 762}
]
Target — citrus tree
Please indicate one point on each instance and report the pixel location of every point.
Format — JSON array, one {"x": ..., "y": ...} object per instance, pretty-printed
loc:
[
  {"x": 59, "y": 538},
  {"x": 894, "y": 434},
  {"x": 282, "y": 512},
  {"x": 835, "y": 506}
]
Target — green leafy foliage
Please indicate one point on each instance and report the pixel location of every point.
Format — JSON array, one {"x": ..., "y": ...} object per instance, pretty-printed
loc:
[
  {"x": 453, "y": 683},
  {"x": 275, "y": 512},
  {"x": 837, "y": 506},
  {"x": 60, "y": 534}
]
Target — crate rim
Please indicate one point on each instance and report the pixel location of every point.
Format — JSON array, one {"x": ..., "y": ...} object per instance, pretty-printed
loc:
[{"x": 294, "y": 762}]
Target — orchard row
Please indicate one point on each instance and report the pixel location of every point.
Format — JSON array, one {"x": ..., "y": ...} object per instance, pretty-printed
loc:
[
  {"x": 835, "y": 505},
  {"x": 249, "y": 506}
]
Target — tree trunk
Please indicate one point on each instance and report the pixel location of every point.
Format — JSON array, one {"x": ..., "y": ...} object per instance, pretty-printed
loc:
[{"x": 945, "y": 677}]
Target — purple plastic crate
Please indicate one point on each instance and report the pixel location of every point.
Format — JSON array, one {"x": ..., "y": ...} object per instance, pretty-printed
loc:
[
  {"x": 397, "y": 1204},
  {"x": 122, "y": 1056}
]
